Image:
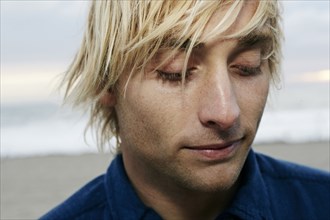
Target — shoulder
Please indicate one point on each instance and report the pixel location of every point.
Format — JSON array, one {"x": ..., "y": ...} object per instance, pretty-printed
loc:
[
  {"x": 295, "y": 189},
  {"x": 87, "y": 203},
  {"x": 284, "y": 170}
]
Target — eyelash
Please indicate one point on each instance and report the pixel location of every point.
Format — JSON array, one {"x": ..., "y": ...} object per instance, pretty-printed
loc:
[
  {"x": 246, "y": 70},
  {"x": 172, "y": 77},
  {"x": 177, "y": 77}
]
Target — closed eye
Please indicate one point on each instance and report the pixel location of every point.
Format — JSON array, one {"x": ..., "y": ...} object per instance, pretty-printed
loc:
[
  {"x": 243, "y": 70},
  {"x": 169, "y": 76},
  {"x": 173, "y": 77}
]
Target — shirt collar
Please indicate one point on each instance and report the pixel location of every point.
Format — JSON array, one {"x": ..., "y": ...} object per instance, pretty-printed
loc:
[
  {"x": 250, "y": 202},
  {"x": 122, "y": 199}
]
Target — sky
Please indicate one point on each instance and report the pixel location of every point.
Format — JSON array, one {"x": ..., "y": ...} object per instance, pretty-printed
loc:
[{"x": 40, "y": 38}]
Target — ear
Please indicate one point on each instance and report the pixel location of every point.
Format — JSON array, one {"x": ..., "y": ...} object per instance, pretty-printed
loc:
[{"x": 108, "y": 99}]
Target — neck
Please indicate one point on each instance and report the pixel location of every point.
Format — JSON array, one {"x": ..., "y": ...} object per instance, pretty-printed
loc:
[{"x": 174, "y": 202}]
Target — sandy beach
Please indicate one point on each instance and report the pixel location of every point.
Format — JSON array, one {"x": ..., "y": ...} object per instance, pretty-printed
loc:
[{"x": 31, "y": 186}]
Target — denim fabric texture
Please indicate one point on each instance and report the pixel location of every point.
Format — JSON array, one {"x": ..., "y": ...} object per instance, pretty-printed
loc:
[{"x": 270, "y": 189}]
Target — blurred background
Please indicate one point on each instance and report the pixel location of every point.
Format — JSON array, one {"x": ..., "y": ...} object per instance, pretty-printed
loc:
[
  {"x": 44, "y": 157},
  {"x": 39, "y": 40}
]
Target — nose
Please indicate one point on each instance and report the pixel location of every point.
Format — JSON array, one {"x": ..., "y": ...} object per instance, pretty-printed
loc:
[{"x": 218, "y": 105}]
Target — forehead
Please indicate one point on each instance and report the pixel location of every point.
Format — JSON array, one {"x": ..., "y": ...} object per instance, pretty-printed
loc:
[
  {"x": 235, "y": 18},
  {"x": 227, "y": 20}
]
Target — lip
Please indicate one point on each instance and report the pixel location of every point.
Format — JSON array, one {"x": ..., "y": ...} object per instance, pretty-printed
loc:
[{"x": 215, "y": 152}]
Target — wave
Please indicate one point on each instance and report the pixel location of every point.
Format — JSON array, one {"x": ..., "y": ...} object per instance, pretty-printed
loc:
[{"x": 59, "y": 132}]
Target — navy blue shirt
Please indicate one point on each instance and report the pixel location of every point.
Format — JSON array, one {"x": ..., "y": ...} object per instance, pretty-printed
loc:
[{"x": 270, "y": 189}]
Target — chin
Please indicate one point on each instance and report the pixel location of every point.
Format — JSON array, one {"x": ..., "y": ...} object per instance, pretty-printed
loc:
[{"x": 211, "y": 179}]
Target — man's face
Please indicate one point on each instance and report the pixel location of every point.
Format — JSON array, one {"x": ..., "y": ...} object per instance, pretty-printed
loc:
[{"x": 195, "y": 136}]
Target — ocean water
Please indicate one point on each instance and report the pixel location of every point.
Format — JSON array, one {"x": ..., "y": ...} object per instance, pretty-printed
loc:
[{"x": 295, "y": 114}]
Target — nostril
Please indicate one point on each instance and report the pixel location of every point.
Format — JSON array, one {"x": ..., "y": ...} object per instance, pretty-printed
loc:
[{"x": 211, "y": 123}]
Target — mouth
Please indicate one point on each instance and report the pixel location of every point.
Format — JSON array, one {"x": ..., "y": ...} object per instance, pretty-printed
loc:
[{"x": 215, "y": 152}]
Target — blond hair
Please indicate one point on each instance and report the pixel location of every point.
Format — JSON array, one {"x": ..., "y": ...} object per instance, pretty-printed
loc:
[{"x": 123, "y": 36}]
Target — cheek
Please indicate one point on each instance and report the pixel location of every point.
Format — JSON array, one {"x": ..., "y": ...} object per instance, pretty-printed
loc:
[
  {"x": 252, "y": 97},
  {"x": 144, "y": 117}
]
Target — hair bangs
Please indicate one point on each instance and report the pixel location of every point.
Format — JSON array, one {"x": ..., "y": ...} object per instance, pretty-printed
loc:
[{"x": 122, "y": 37}]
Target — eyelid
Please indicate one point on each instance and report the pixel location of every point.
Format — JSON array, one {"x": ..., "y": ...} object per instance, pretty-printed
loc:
[
  {"x": 177, "y": 72},
  {"x": 239, "y": 52},
  {"x": 170, "y": 62},
  {"x": 246, "y": 70},
  {"x": 174, "y": 76}
]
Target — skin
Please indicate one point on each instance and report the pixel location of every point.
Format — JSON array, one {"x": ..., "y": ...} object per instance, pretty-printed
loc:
[{"x": 184, "y": 146}]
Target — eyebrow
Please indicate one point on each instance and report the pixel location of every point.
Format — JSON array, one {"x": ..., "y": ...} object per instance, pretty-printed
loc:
[{"x": 255, "y": 39}]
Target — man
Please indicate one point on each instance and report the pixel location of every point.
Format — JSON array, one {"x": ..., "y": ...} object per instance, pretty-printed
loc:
[{"x": 182, "y": 86}]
